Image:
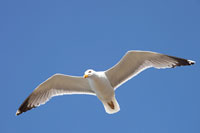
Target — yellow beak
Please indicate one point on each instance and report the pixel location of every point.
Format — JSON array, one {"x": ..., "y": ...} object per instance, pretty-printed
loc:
[{"x": 85, "y": 76}]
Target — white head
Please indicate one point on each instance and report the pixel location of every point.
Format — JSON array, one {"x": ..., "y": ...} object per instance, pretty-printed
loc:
[{"x": 89, "y": 73}]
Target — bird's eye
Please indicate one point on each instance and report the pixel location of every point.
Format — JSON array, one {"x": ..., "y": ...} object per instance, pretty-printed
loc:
[{"x": 89, "y": 71}]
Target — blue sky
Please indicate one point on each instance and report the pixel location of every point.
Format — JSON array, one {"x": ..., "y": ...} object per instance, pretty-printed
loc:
[{"x": 41, "y": 38}]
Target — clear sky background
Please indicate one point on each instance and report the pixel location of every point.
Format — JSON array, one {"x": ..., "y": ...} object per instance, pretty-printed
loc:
[{"x": 41, "y": 38}]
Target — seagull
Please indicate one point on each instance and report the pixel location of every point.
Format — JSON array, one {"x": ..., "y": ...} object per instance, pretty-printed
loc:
[{"x": 101, "y": 83}]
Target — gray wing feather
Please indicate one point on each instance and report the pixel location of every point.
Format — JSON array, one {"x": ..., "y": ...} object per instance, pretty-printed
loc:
[
  {"x": 135, "y": 62},
  {"x": 56, "y": 85}
]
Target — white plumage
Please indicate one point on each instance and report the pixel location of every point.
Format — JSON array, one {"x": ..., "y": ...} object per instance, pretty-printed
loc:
[{"x": 102, "y": 84}]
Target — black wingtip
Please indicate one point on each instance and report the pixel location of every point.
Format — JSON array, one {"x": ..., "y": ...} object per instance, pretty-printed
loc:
[
  {"x": 24, "y": 107},
  {"x": 182, "y": 62}
]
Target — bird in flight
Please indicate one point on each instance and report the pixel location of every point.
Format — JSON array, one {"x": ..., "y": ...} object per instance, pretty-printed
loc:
[{"x": 101, "y": 83}]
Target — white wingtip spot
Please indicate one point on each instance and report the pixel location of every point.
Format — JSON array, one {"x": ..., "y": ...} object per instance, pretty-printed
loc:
[
  {"x": 191, "y": 62},
  {"x": 18, "y": 112}
]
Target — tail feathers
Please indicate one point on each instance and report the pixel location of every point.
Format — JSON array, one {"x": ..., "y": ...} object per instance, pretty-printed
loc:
[{"x": 112, "y": 106}]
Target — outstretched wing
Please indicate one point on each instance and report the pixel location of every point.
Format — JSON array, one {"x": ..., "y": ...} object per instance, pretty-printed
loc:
[
  {"x": 135, "y": 62},
  {"x": 58, "y": 84}
]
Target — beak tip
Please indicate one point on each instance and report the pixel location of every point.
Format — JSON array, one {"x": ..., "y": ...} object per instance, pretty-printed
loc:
[{"x": 85, "y": 76}]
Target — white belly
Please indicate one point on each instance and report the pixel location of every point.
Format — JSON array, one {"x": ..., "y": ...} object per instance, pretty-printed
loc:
[{"x": 102, "y": 87}]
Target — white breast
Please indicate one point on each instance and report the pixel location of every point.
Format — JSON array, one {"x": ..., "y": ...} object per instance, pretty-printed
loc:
[{"x": 101, "y": 86}]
